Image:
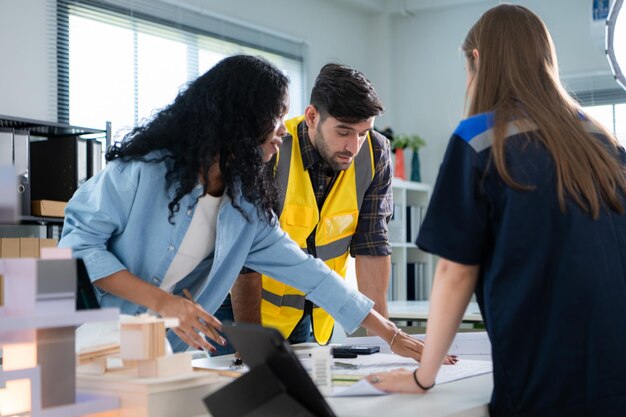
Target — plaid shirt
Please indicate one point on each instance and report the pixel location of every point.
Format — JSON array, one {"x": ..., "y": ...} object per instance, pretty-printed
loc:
[{"x": 371, "y": 232}]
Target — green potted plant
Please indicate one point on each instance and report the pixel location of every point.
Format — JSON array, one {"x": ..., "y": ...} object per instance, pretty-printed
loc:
[{"x": 414, "y": 143}]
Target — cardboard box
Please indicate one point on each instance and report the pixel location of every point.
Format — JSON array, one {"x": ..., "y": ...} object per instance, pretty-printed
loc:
[
  {"x": 24, "y": 247},
  {"x": 29, "y": 247},
  {"x": 46, "y": 243},
  {"x": 49, "y": 208},
  {"x": 9, "y": 247}
]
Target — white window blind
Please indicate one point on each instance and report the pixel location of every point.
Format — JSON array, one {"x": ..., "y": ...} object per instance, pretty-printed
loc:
[
  {"x": 123, "y": 60},
  {"x": 607, "y": 107}
]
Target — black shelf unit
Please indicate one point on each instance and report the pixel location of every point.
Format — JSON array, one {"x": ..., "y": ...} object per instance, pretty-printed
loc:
[
  {"x": 40, "y": 220},
  {"x": 50, "y": 223},
  {"x": 54, "y": 160},
  {"x": 50, "y": 129}
]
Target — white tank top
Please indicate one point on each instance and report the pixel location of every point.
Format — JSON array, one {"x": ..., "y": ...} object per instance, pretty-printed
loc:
[{"x": 198, "y": 243}]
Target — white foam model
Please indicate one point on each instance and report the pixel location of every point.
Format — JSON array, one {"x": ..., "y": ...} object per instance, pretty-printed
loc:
[{"x": 37, "y": 325}]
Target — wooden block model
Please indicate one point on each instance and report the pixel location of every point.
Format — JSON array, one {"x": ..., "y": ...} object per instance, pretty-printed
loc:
[
  {"x": 177, "y": 395},
  {"x": 164, "y": 366},
  {"x": 142, "y": 339},
  {"x": 37, "y": 338},
  {"x": 35, "y": 287}
]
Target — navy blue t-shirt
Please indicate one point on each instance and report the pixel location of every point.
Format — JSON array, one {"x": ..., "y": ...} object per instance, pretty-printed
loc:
[{"x": 552, "y": 284}]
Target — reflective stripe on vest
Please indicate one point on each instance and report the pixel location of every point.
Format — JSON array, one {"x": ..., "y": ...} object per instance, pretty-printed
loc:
[{"x": 282, "y": 306}]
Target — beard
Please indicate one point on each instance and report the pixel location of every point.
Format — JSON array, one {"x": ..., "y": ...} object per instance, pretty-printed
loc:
[{"x": 332, "y": 159}]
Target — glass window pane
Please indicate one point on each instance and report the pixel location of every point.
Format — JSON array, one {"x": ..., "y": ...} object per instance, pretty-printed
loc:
[
  {"x": 101, "y": 84},
  {"x": 620, "y": 123},
  {"x": 124, "y": 69},
  {"x": 603, "y": 114},
  {"x": 208, "y": 58},
  {"x": 212, "y": 50},
  {"x": 161, "y": 70}
]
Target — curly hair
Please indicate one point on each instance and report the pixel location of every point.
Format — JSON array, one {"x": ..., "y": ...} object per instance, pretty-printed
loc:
[{"x": 223, "y": 115}]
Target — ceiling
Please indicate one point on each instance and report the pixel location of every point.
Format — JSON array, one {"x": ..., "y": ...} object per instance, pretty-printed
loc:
[{"x": 403, "y": 6}]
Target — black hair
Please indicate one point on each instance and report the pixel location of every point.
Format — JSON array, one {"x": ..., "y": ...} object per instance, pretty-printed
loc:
[
  {"x": 344, "y": 93},
  {"x": 225, "y": 113}
]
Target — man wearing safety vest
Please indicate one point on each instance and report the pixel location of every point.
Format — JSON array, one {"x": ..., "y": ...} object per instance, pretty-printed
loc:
[{"x": 334, "y": 175}]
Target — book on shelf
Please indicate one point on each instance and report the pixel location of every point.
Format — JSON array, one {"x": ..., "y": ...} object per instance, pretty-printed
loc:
[
  {"x": 414, "y": 218},
  {"x": 393, "y": 279},
  {"x": 394, "y": 228},
  {"x": 417, "y": 281}
]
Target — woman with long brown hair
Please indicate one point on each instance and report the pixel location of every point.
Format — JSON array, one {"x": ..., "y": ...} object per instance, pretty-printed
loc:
[{"x": 528, "y": 213}]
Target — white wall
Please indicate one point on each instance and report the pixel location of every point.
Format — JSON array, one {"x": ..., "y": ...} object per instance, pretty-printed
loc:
[
  {"x": 414, "y": 62},
  {"x": 428, "y": 84},
  {"x": 25, "y": 77}
]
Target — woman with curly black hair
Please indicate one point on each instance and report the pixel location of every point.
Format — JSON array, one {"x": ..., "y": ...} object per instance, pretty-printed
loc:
[{"x": 188, "y": 199}]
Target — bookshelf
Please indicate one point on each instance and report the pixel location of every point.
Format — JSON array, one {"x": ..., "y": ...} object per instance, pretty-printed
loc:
[
  {"x": 411, "y": 268},
  {"x": 51, "y": 160}
]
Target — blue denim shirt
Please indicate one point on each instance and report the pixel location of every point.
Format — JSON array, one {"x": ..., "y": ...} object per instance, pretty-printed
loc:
[{"x": 119, "y": 220}]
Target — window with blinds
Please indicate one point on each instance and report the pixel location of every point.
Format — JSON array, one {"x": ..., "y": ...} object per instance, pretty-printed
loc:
[
  {"x": 121, "y": 64},
  {"x": 607, "y": 107}
]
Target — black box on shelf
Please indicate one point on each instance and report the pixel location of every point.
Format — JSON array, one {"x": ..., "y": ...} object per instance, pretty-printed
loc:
[
  {"x": 61, "y": 164},
  {"x": 51, "y": 159}
]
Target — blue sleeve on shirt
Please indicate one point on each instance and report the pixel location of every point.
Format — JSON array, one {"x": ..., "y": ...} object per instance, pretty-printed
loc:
[{"x": 455, "y": 226}]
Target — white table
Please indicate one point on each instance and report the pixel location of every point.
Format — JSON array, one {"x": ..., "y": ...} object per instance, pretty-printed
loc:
[
  {"x": 465, "y": 398},
  {"x": 418, "y": 311}
]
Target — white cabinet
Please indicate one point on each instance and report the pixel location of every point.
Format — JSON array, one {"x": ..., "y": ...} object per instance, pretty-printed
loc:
[{"x": 411, "y": 268}]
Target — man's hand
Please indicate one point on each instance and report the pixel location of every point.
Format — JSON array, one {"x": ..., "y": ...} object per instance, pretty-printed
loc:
[{"x": 404, "y": 345}]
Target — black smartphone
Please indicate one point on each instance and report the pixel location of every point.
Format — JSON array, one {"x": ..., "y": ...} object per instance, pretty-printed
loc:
[{"x": 355, "y": 349}]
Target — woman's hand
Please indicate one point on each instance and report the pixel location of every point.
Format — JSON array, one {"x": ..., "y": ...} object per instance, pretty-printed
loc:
[
  {"x": 192, "y": 317},
  {"x": 193, "y": 320},
  {"x": 398, "y": 380}
]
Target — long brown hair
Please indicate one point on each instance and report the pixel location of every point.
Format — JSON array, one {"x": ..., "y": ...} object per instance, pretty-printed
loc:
[{"x": 516, "y": 77}]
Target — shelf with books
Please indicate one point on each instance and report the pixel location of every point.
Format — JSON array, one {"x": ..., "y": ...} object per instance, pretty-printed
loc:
[
  {"x": 51, "y": 160},
  {"x": 411, "y": 268}
]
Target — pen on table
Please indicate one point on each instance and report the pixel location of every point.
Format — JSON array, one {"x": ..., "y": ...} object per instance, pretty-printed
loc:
[
  {"x": 236, "y": 363},
  {"x": 214, "y": 332},
  {"x": 346, "y": 365}
]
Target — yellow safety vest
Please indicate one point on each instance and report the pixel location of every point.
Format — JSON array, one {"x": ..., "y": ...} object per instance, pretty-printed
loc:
[{"x": 282, "y": 306}]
